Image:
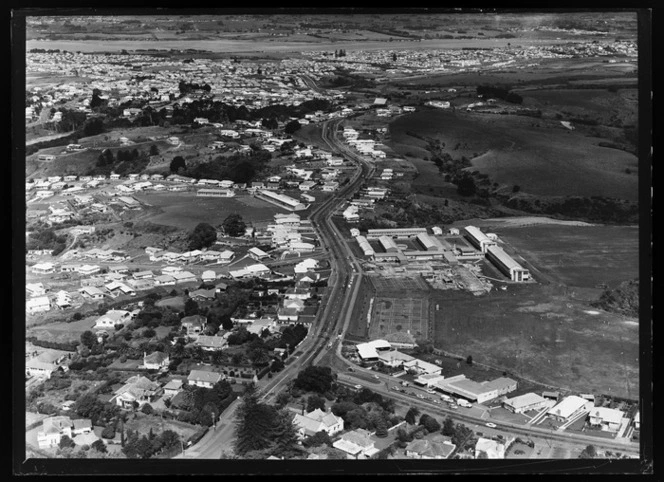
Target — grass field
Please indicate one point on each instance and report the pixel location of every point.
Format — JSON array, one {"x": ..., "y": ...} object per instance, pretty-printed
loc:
[
  {"x": 577, "y": 256},
  {"x": 548, "y": 160},
  {"x": 62, "y": 332},
  {"x": 548, "y": 332},
  {"x": 185, "y": 210}
]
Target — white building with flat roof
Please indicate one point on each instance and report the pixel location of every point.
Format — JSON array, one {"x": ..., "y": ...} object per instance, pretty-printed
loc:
[{"x": 570, "y": 407}]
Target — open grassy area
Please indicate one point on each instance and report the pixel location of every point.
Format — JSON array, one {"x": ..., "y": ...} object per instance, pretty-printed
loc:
[
  {"x": 538, "y": 332},
  {"x": 540, "y": 156},
  {"x": 185, "y": 210}
]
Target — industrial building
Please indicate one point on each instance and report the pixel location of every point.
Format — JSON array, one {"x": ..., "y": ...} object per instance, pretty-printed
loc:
[
  {"x": 388, "y": 244},
  {"x": 478, "y": 239},
  {"x": 570, "y": 407},
  {"x": 395, "y": 232},
  {"x": 474, "y": 391},
  {"x": 365, "y": 246},
  {"x": 526, "y": 403},
  {"x": 280, "y": 200},
  {"x": 505, "y": 263}
]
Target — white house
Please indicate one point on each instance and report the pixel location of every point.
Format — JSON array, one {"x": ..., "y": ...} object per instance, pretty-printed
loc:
[
  {"x": 490, "y": 449},
  {"x": 37, "y": 305},
  {"x": 609, "y": 419},
  {"x": 156, "y": 360},
  {"x": 357, "y": 444},
  {"x": 570, "y": 407},
  {"x": 53, "y": 429},
  {"x": 205, "y": 379},
  {"x": 112, "y": 318},
  {"x": 317, "y": 421}
]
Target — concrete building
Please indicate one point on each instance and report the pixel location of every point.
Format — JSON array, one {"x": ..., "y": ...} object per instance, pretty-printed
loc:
[
  {"x": 569, "y": 407},
  {"x": 506, "y": 264},
  {"x": 526, "y": 403},
  {"x": 608, "y": 419},
  {"x": 395, "y": 232},
  {"x": 478, "y": 239}
]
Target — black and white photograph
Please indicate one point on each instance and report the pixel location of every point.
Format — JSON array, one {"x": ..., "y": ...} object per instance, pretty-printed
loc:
[{"x": 346, "y": 241}]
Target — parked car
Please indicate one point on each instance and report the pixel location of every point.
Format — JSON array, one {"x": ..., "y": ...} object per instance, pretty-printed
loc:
[
  {"x": 490, "y": 425},
  {"x": 431, "y": 391},
  {"x": 358, "y": 387}
]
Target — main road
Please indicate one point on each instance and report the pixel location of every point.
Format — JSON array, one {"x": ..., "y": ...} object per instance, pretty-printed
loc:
[{"x": 333, "y": 313}]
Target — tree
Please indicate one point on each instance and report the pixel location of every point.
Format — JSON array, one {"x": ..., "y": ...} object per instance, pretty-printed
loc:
[
  {"x": 154, "y": 150},
  {"x": 469, "y": 360},
  {"x": 430, "y": 423},
  {"x": 292, "y": 127},
  {"x": 466, "y": 185},
  {"x": 314, "y": 402},
  {"x": 93, "y": 126},
  {"x": 448, "y": 427},
  {"x": 108, "y": 432},
  {"x": 147, "y": 409},
  {"x": 203, "y": 236},
  {"x": 315, "y": 379},
  {"x": 254, "y": 423},
  {"x": 381, "y": 428},
  {"x": 590, "y": 452},
  {"x": 99, "y": 446},
  {"x": 411, "y": 415},
  {"x": 66, "y": 442},
  {"x": 516, "y": 188},
  {"x": 234, "y": 226},
  {"x": 318, "y": 439},
  {"x": 177, "y": 164},
  {"x": 88, "y": 338}
]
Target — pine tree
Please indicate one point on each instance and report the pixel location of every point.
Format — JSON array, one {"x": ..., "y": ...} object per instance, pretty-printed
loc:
[
  {"x": 254, "y": 423},
  {"x": 285, "y": 436}
]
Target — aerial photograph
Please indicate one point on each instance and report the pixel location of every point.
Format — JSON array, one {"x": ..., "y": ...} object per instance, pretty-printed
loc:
[{"x": 372, "y": 240}]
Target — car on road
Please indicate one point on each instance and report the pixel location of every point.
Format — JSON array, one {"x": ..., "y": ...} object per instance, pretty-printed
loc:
[
  {"x": 490, "y": 425},
  {"x": 453, "y": 406},
  {"x": 431, "y": 391},
  {"x": 358, "y": 387},
  {"x": 437, "y": 401},
  {"x": 376, "y": 377}
]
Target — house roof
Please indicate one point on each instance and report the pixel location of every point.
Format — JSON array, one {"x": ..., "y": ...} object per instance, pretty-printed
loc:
[
  {"x": 174, "y": 384},
  {"x": 568, "y": 406},
  {"x": 155, "y": 357},
  {"x": 80, "y": 423},
  {"x": 204, "y": 376},
  {"x": 610, "y": 415},
  {"x": 194, "y": 319},
  {"x": 492, "y": 448},
  {"x": 211, "y": 341},
  {"x": 525, "y": 400},
  {"x": 56, "y": 424},
  {"x": 85, "y": 438},
  {"x": 136, "y": 386},
  {"x": 430, "y": 448}
]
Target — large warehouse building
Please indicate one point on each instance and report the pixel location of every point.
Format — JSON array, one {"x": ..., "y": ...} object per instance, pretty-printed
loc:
[
  {"x": 280, "y": 200},
  {"x": 505, "y": 263},
  {"x": 480, "y": 240}
]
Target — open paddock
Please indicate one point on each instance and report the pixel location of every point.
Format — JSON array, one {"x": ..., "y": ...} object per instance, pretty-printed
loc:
[
  {"x": 540, "y": 333},
  {"x": 398, "y": 284},
  {"x": 540, "y": 156}
]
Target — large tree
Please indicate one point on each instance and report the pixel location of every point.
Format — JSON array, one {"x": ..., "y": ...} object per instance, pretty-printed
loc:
[
  {"x": 234, "y": 226},
  {"x": 254, "y": 423},
  {"x": 315, "y": 379},
  {"x": 203, "y": 236},
  {"x": 88, "y": 338},
  {"x": 292, "y": 127},
  {"x": 178, "y": 163},
  {"x": 411, "y": 415}
]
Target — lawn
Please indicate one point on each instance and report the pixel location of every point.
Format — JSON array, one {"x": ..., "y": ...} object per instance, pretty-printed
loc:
[
  {"x": 185, "y": 210},
  {"x": 62, "y": 332},
  {"x": 547, "y": 160}
]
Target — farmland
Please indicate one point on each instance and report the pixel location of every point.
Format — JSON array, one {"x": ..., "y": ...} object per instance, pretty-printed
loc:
[
  {"x": 185, "y": 210},
  {"x": 547, "y": 160},
  {"x": 547, "y": 332}
]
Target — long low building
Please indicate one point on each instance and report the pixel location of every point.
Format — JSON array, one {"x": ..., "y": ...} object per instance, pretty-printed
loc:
[
  {"x": 365, "y": 246},
  {"x": 395, "y": 232},
  {"x": 280, "y": 200},
  {"x": 570, "y": 407},
  {"x": 388, "y": 244},
  {"x": 215, "y": 193},
  {"x": 480, "y": 240},
  {"x": 526, "y": 403},
  {"x": 477, "y": 392},
  {"x": 505, "y": 263}
]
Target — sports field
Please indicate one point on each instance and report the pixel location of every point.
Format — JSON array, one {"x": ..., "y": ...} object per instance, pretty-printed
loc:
[{"x": 185, "y": 210}]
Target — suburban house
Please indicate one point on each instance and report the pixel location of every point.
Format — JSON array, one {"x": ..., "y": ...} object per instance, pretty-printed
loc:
[
  {"x": 53, "y": 429},
  {"x": 240, "y": 373},
  {"x": 37, "y": 305},
  {"x": 156, "y": 360},
  {"x": 317, "y": 421},
  {"x": 137, "y": 389},
  {"x": 35, "y": 289},
  {"x": 183, "y": 277},
  {"x": 46, "y": 363},
  {"x": 202, "y": 294},
  {"x": 208, "y": 276},
  {"x": 490, "y": 449},
  {"x": 211, "y": 343},
  {"x": 608, "y": 419},
  {"x": 92, "y": 292},
  {"x": 172, "y": 388},
  {"x": 357, "y": 444},
  {"x": 112, "y": 318},
  {"x": 569, "y": 408},
  {"x": 205, "y": 379},
  {"x": 193, "y": 324},
  {"x": 437, "y": 447}
]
